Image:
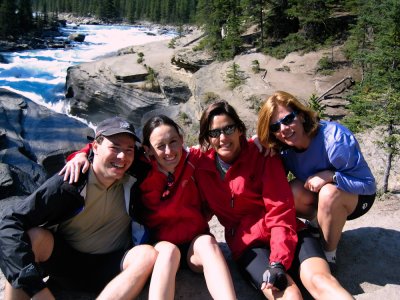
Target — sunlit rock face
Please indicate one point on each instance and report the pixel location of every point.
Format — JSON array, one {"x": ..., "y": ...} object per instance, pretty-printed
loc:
[{"x": 120, "y": 86}]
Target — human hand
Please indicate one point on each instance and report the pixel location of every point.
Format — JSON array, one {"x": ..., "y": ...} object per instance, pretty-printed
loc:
[
  {"x": 315, "y": 182},
  {"x": 275, "y": 277},
  {"x": 73, "y": 168},
  {"x": 261, "y": 148}
]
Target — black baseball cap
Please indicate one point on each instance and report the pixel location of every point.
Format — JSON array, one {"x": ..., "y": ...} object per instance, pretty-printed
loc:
[{"x": 116, "y": 125}]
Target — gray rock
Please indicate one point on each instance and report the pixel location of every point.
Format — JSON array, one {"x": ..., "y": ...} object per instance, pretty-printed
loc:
[
  {"x": 77, "y": 37},
  {"x": 175, "y": 90},
  {"x": 191, "y": 60},
  {"x": 34, "y": 143},
  {"x": 112, "y": 86}
]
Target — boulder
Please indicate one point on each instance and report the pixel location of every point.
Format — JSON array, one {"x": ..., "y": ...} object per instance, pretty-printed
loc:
[
  {"x": 112, "y": 86},
  {"x": 175, "y": 90},
  {"x": 3, "y": 60},
  {"x": 34, "y": 142},
  {"x": 191, "y": 60},
  {"x": 77, "y": 37}
]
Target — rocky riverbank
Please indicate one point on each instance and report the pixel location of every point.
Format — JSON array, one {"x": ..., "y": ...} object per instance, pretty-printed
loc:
[{"x": 368, "y": 256}]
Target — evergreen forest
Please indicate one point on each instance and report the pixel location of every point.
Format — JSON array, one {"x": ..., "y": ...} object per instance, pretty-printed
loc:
[{"x": 369, "y": 31}]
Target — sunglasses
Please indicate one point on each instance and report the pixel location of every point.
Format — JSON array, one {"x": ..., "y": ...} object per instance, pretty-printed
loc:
[
  {"x": 170, "y": 183},
  {"x": 227, "y": 130},
  {"x": 286, "y": 120}
]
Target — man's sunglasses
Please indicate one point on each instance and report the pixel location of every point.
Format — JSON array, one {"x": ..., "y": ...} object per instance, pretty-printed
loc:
[
  {"x": 286, "y": 120},
  {"x": 227, "y": 130}
]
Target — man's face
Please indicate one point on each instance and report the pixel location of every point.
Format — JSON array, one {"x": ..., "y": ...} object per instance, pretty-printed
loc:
[{"x": 113, "y": 157}]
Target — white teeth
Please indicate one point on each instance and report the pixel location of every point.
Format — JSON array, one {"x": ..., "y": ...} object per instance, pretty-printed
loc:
[
  {"x": 117, "y": 165},
  {"x": 289, "y": 135},
  {"x": 225, "y": 146}
]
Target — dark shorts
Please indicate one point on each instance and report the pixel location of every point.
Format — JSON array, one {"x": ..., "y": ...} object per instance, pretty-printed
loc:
[
  {"x": 252, "y": 264},
  {"x": 70, "y": 269},
  {"x": 184, "y": 249},
  {"x": 364, "y": 204}
]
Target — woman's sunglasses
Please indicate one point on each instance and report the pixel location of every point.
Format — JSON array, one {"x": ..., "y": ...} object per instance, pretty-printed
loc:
[
  {"x": 227, "y": 130},
  {"x": 286, "y": 120}
]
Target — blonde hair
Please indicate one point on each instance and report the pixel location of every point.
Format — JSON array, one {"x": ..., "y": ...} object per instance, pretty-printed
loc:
[{"x": 280, "y": 98}]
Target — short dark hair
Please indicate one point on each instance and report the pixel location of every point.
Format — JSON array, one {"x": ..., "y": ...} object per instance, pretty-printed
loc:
[
  {"x": 216, "y": 109},
  {"x": 99, "y": 139}
]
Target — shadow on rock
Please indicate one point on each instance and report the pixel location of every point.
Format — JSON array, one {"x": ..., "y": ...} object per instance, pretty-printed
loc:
[{"x": 368, "y": 255}]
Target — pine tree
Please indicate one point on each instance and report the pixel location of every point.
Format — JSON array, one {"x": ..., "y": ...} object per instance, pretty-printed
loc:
[
  {"x": 8, "y": 20},
  {"x": 376, "y": 48},
  {"x": 25, "y": 15},
  {"x": 312, "y": 15}
]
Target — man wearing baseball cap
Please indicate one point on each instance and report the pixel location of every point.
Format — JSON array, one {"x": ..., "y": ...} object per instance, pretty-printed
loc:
[{"x": 79, "y": 234}]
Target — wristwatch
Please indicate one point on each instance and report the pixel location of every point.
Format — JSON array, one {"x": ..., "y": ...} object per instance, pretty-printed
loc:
[
  {"x": 334, "y": 178},
  {"x": 276, "y": 264}
]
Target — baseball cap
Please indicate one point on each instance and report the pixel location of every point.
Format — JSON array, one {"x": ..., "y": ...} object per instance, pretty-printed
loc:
[{"x": 116, "y": 125}]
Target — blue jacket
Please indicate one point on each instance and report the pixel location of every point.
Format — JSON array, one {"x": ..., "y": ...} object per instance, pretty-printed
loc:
[{"x": 334, "y": 148}]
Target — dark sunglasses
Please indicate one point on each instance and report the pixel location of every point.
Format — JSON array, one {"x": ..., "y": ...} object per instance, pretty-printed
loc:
[
  {"x": 170, "y": 183},
  {"x": 286, "y": 120},
  {"x": 227, "y": 130}
]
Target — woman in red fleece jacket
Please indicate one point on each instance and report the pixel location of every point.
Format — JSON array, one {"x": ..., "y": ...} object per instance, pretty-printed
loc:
[
  {"x": 171, "y": 208},
  {"x": 250, "y": 195}
]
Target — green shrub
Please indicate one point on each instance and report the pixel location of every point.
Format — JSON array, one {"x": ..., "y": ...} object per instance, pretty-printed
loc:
[
  {"x": 255, "y": 66},
  {"x": 209, "y": 97},
  {"x": 172, "y": 43},
  {"x": 234, "y": 76},
  {"x": 255, "y": 102},
  {"x": 325, "y": 66}
]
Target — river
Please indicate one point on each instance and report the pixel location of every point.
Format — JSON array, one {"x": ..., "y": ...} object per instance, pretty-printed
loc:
[{"x": 40, "y": 74}]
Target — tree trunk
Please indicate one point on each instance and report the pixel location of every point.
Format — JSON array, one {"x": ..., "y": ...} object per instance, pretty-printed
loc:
[{"x": 388, "y": 160}]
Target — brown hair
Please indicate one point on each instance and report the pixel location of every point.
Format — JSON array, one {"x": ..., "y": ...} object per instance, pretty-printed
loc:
[
  {"x": 216, "y": 109},
  {"x": 155, "y": 122},
  {"x": 279, "y": 98}
]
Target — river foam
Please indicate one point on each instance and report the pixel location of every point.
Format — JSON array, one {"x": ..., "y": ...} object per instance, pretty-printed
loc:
[{"x": 40, "y": 74}]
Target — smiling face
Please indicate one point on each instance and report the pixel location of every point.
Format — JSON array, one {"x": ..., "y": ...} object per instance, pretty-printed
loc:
[
  {"x": 113, "y": 157},
  {"x": 292, "y": 134},
  {"x": 226, "y": 145},
  {"x": 166, "y": 147}
]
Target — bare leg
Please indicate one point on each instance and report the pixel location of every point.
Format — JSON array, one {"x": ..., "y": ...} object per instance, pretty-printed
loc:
[
  {"x": 137, "y": 267},
  {"x": 305, "y": 201},
  {"x": 205, "y": 256},
  {"x": 17, "y": 294},
  {"x": 317, "y": 279},
  {"x": 162, "y": 285},
  {"x": 42, "y": 246},
  {"x": 292, "y": 292},
  {"x": 334, "y": 206},
  {"x": 14, "y": 294}
]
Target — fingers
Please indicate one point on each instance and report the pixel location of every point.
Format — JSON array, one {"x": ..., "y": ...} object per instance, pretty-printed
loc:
[
  {"x": 86, "y": 166},
  {"x": 62, "y": 171},
  {"x": 75, "y": 173}
]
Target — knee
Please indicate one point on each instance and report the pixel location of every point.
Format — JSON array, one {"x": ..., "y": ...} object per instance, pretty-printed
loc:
[
  {"x": 42, "y": 242},
  {"x": 145, "y": 255},
  {"x": 300, "y": 194},
  {"x": 205, "y": 242},
  {"x": 168, "y": 250},
  {"x": 320, "y": 282},
  {"x": 329, "y": 198}
]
